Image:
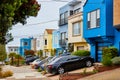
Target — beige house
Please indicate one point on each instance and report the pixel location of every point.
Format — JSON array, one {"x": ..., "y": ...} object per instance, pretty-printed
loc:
[
  {"x": 116, "y": 13},
  {"x": 75, "y": 32}
]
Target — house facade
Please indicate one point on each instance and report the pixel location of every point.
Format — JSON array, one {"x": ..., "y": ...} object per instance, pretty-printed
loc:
[
  {"x": 55, "y": 42},
  {"x": 14, "y": 49},
  {"x": 116, "y": 20},
  {"x": 25, "y": 44},
  {"x": 75, "y": 28},
  {"x": 65, "y": 12},
  {"x": 99, "y": 30},
  {"x": 47, "y": 42}
]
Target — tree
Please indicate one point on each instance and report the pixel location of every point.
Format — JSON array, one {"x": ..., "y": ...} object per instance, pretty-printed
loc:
[
  {"x": 3, "y": 54},
  {"x": 40, "y": 53},
  {"x": 12, "y": 56},
  {"x": 18, "y": 57},
  {"x": 13, "y": 12}
]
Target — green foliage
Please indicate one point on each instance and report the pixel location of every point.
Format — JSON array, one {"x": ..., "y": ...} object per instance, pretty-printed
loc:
[
  {"x": 81, "y": 53},
  {"x": 3, "y": 54},
  {"x": 108, "y": 54},
  {"x": 111, "y": 52},
  {"x": 106, "y": 60},
  {"x": 12, "y": 56},
  {"x": 53, "y": 52},
  {"x": 29, "y": 52},
  {"x": 0, "y": 68},
  {"x": 39, "y": 70},
  {"x": 84, "y": 70},
  {"x": 13, "y": 12},
  {"x": 116, "y": 61},
  {"x": 40, "y": 53}
]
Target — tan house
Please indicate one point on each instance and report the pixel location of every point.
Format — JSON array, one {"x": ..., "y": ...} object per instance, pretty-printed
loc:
[
  {"x": 116, "y": 13},
  {"x": 47, "y": 42},
  {"x": 75, "y": 32}
]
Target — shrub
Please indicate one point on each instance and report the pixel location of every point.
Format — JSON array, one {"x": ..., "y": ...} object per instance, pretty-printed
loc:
[
  {"x": 0, "y": 68},
  {"x": 116, "y": 61},
  {"x": 39, "y": 70},
  {"x": 81, "y": 53},
  {"x": 108, "y": 54},
  {"x": 7, "y": 74},
  {"x": 111, "y": 52},
  {"x": 107, "y": 61}
]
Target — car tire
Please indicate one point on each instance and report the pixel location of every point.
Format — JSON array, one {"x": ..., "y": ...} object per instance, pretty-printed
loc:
[
  {"x": 61, "y": 70},
  {"x": 89, "y": 63}
]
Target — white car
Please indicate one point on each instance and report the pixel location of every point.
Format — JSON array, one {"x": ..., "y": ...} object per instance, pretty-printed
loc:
[{"x": 35, "y": 62}]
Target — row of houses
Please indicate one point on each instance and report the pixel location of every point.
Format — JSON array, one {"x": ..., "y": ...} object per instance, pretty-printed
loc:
[{"x": 87, "y": 25}]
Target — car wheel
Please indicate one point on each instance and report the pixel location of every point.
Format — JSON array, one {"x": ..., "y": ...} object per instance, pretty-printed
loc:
[
  {"x": 88, "y": 63},
  {"x": 61, "y": 70}
]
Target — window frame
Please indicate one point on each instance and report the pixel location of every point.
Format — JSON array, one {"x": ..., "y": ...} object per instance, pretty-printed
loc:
[
  {"x": 97, "y": 19},
  {"x": 73, "y": 28}
]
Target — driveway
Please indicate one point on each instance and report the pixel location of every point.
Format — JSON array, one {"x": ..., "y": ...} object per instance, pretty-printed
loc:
[{"x": 24, "y": 72}]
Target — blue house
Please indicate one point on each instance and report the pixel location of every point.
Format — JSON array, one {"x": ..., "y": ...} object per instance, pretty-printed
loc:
[
  {"x": 25, "y": 44},
  {"x": 55, "y": 41},
  {"x": 98, "y": 26}
]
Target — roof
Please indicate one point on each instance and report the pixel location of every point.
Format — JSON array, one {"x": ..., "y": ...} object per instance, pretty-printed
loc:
[{"x": 49, "y": 31}]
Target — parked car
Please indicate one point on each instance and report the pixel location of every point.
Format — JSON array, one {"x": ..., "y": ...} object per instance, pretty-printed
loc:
[
  {"x": 35, "y": 62},
  {"x": 46, "y": 60},
  {"x": 67, "y": 63},
  {"x": 30, "y": 59}
]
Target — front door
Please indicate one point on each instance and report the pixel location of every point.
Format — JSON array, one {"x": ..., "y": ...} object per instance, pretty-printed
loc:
[{"x": 99, "y": 48}]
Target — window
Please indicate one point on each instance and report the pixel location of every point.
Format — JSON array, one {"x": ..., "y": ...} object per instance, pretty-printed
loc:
[
  {"x": 80, "y": 47},
  {"x": 15, "y": 49},
  {"x": 45, "y": 41},
  {"x": 76, "y": 29},
  {"x": 93, "y": 19},
  {"x": 25, "y": 43},
  {"x": 62, "y": 18},
  {"x": 63, "y": 37},
  {"x": 11, "y": 49},
  {"x": 76, "y": 11}
]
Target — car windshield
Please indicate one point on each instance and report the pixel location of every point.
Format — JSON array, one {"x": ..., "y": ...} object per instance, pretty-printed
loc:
[{"x": 59, "y": 59}]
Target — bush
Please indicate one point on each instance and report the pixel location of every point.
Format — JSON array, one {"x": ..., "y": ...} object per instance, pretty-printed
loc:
[
  {"x": 116, "y": 61},
  {"x": 0, "y": 68},
  {"x": 39, "y": 70},
  {"x": 108, "y": 54},
  {"x": 81, "y": 53},
  {"x": 7, "y": 74},
  {"x": 111, "y": 52},
  {"x": 107, "y": 61}
]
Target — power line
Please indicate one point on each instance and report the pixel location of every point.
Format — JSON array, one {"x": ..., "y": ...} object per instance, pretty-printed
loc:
[{"x": 35, "y": 24}]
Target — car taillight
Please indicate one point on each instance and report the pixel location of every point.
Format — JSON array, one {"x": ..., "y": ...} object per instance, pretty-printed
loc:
[{"x": 49, "y": 66}]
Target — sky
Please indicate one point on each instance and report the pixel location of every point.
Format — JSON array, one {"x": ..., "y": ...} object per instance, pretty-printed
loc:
[{"x": 36, "y": 25}]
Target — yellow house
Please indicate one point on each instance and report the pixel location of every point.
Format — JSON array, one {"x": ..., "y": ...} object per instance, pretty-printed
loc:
[
  {"x": 47, "y": 42},
  {"x": 75, "y": 32}
]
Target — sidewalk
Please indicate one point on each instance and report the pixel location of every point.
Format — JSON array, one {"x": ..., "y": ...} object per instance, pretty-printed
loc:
[{"x": 107, "y": 75}]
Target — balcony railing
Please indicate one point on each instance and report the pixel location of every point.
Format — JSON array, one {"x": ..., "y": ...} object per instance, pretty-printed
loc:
[{"x": 63, "y": 21}]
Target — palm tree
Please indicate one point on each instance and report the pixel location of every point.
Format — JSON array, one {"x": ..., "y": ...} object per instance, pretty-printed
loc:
[
  {"x": 11, "y": 56},
  {"x": 18, "y": 57}
]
